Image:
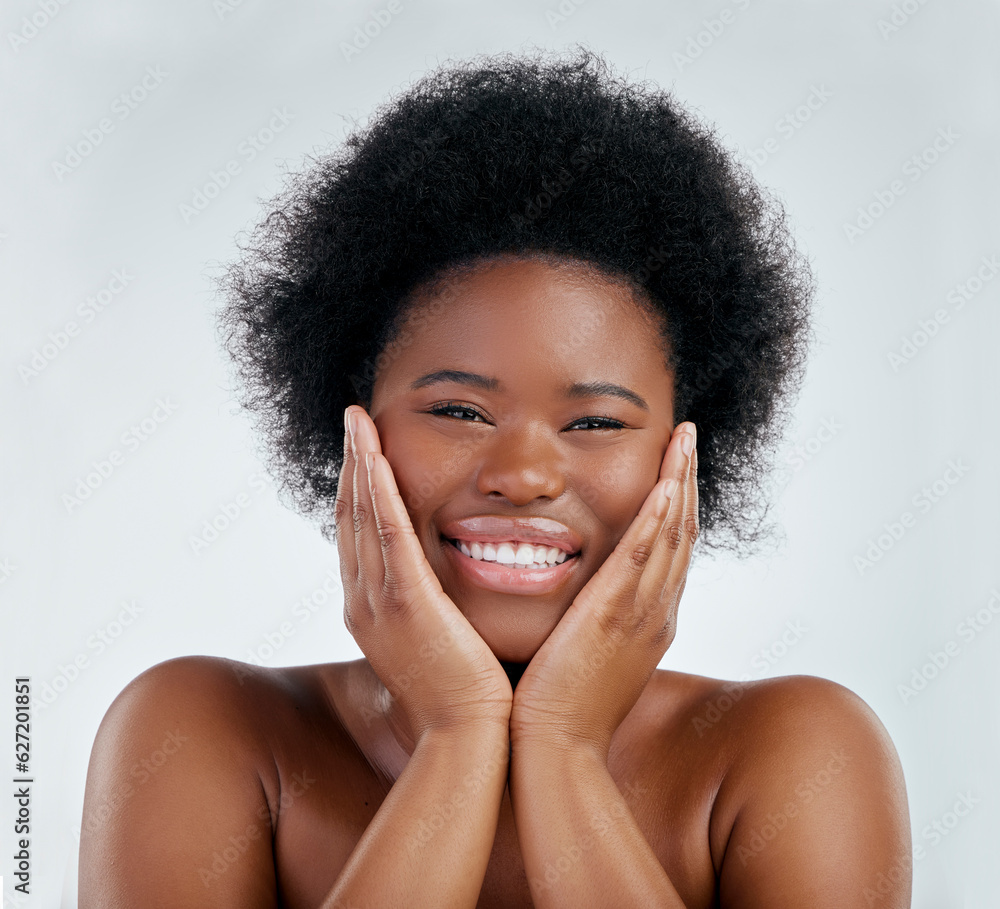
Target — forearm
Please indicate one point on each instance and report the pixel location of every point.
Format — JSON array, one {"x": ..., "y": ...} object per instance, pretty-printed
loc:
[
  {"x": 430, "y": 841},
  {"x": 580, "y": 843}
]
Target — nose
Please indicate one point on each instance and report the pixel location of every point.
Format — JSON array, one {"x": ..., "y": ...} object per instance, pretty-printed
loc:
[{"x": 521, "y": 465}]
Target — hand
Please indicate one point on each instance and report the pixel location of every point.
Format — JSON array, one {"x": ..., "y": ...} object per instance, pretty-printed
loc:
[
  {"x": 424, "y": 650},
  {"x": 590, "y": 671}
]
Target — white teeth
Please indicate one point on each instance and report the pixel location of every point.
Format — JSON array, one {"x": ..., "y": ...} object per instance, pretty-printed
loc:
[
  {"x": 525, "y": 554},
  {"x": 522, "y": 555}
]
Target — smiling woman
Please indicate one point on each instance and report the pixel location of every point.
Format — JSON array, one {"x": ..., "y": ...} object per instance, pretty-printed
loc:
[{"x": 481, "y": 341}]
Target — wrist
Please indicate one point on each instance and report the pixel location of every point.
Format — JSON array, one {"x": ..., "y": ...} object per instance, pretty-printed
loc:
[
  {"x": 557, "y": 748},
  {"x": 472, "y": 736}
]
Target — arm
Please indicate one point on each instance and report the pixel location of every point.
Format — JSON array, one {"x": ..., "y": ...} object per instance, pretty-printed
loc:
[
  {"x": 430, "y": 841},
  {"x": 580, "y": 843},
  {"x": 820, "y": 806},
  {"x": 174, "y": 812}
]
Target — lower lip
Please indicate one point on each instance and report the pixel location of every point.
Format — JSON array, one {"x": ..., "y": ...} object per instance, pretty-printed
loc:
[{"x": 494, "y": 576}]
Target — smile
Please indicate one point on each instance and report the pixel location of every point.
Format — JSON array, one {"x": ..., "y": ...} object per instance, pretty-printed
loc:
[
  {"x": 514, "y": 567},
  {"x": 512, "y": 553}
]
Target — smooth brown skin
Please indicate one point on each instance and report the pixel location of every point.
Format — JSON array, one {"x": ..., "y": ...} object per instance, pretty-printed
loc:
[{"x": 626, "y": 784}]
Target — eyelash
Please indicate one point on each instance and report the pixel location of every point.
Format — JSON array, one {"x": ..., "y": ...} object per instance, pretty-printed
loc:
[{"x": 442, "y": 410}]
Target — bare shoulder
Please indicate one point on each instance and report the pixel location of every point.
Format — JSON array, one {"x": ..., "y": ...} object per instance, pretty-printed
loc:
[
  {"x": 179, "y": 774},
  {"x": 812, "y": 808}
]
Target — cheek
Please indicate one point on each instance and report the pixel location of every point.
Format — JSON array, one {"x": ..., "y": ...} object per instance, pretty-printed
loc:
[
  {"x": 614, "y": 491},
  {"x": 426, "y": 469}
]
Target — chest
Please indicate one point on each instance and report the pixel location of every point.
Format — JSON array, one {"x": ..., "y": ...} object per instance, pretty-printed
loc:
[{"x": 318, "y": 831}]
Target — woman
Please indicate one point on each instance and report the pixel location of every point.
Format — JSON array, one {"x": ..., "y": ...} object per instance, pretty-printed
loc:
[{"x": 526, "y": 288}]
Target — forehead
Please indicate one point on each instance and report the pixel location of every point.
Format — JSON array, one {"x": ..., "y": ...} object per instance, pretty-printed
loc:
[{"x": 560, "y": 313}]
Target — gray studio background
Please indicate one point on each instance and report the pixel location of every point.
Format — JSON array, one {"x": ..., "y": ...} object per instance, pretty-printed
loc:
[{"x": 875, "y": 122}]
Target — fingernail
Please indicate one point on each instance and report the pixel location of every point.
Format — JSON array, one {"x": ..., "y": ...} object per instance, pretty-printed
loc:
[
  {"x": 350, "y": 425},
  {"x": 687, "y": 444},
  {"x": 369, "y": 460},
  {"x": 669, "y": 488}
]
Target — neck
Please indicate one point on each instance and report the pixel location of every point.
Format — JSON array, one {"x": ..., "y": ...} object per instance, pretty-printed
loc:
[{"x": 514, "y": 672}]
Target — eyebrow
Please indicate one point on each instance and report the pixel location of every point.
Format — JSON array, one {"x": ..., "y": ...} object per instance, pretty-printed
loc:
[{"x": 488, "y": 383}]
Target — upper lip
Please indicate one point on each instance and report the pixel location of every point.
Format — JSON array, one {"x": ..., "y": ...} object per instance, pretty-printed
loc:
[{"x": 490, "y": 528}]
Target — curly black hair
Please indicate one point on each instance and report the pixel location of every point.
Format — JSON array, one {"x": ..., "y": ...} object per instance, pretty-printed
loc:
[{"x": 533, "y": 154}]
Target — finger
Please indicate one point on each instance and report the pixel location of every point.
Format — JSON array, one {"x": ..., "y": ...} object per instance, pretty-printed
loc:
[
  {"x": 616, "y": 583},
  {"x": 405, "y": 563},
  {"x": 668, "y": 565},
  {"x": 690, "y": 530},
  {"x": 613, "y": 587},
  {"x": 342, "y": 511},
  {"x": 371, "y": 564}
]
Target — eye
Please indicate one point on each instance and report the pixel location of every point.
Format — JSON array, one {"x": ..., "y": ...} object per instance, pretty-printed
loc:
[
  {"x": 602, "y": 422},
  {"x": 449, "y": 410},
  {"x": 462, "y": 412}
]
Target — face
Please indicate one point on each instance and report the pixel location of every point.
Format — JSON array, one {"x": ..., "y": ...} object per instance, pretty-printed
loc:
[{"x": 525, "y": 419}]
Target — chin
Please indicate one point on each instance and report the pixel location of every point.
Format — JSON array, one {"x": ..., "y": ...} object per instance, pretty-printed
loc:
[{"x": 512, "y": 638}]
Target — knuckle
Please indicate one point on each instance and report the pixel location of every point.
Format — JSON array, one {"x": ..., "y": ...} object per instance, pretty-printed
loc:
[
  {"x": 666, "y": 632},
  {"x": 692, "y": 527},
  {"x": 357, "y": 615},
  {"x": 389, "y": 537},
  {"x": 398, "y": 587},
  {"x": 640, "y": 554},
  {"x": 673, "y": 533},
  {"x": 340, "y": 510},
  {"x": 360, "y": 515},
  {"x": 624, "y": 620}
]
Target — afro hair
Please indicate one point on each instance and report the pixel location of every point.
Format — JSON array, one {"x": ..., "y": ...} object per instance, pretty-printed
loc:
[{"x": 524, "y": 154}]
